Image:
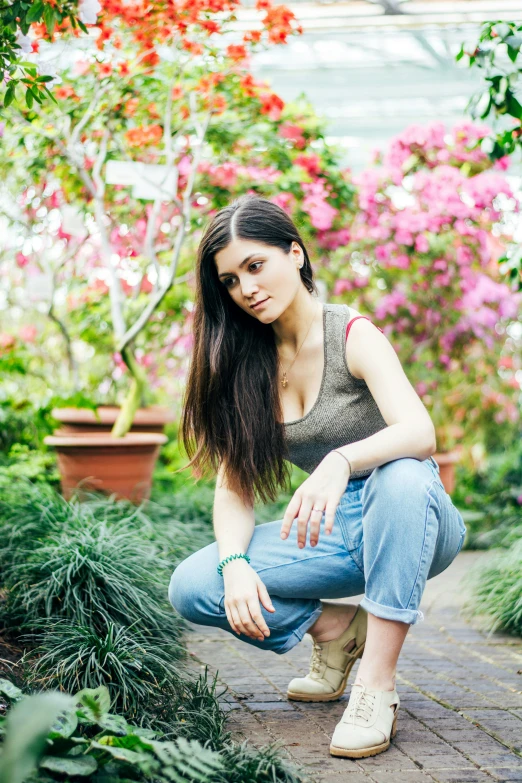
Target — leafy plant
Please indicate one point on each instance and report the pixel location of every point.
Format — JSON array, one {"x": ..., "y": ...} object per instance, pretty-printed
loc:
[
  {"x": 498, "y": 54},
  {"x": 87, "y": 584},
  {"x": 83, "y": 738},
  {"x": 489, "y": 497},
  {"x": 496, "y": 584}
]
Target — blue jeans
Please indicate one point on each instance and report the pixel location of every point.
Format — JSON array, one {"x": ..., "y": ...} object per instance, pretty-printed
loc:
[{"x": 393, "y": 530}]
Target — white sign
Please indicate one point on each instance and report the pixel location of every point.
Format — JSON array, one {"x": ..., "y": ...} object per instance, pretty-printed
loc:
[{"x": 149, "y": 181}]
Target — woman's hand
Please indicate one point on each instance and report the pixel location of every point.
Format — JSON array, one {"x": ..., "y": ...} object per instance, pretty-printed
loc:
[
  {"x": 243, "y": 591},
  {"x": 322, "y": 490}
]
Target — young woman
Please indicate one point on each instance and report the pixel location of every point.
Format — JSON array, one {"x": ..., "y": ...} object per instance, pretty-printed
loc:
[{"x": 277, "y": 378}]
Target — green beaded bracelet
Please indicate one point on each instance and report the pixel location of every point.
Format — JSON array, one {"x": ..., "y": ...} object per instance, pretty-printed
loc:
[{"x": 227, "y": 559}]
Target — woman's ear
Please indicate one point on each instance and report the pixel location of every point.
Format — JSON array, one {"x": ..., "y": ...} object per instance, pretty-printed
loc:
[{"x": 297, "y": 254}]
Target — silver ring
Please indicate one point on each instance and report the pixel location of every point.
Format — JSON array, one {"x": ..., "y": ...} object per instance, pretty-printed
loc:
[{"x": 318, "y": 509}]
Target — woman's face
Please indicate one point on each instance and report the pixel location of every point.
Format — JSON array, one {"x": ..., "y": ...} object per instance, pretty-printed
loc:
[{"x": 252, "y": 272}]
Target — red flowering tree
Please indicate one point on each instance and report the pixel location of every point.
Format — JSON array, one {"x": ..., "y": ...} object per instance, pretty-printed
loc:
[
  {"x": 144, "y": 147},
  {"x": 431, "y": 221}
]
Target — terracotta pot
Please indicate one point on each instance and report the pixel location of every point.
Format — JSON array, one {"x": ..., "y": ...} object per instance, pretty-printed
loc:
[
  {"x": 75, "y": 420},
  {"x": 446, "y": 461},
  {"x": 121, "y": 465}
]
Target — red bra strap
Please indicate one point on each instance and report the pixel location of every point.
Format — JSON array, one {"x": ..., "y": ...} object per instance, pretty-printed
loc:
[{"x": 354, "y": 319}]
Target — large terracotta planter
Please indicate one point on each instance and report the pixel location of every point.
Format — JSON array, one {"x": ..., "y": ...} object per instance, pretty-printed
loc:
[
  {"x": 446, "y": 461},
  {"x": 120, "y": 465},
  {"x": 75, "y": 420}
]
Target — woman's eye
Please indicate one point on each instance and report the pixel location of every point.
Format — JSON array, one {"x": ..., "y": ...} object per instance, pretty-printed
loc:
[{"x": 230, "y": 279}]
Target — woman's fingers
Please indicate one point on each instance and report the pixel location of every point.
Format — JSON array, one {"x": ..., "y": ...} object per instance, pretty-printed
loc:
[
  {"x": 238, "y": 621},
  {"x": 264, "y": 597},
  {"x": 315, "y": 525},
  {"x": 329, "y": 516},
  {"x": 302, "y": 521},
  {"x": 247, "y": 622},
  {"x": 290, "y": 515},
  {"x": 230, "y": 620},
  {"x": 257, "y": 617}
]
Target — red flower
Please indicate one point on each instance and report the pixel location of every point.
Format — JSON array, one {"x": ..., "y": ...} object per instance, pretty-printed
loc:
[
  {"x": 236, "y": 52},
  {"x": 272, "y": 105},
  {"x": 252, "y": 35},
  {"x": 145, "y": 134},
  {"x": 105, "y": 69},
  {"x": 210, "y": 26}
]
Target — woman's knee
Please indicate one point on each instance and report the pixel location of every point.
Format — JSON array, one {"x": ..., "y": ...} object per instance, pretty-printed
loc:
[
  {"x": 189, "y": 588},
  {"x": 401, "y": 480}
]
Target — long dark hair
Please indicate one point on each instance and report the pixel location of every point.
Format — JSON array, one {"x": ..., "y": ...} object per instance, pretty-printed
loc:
[{"x": 232, "y": 414}]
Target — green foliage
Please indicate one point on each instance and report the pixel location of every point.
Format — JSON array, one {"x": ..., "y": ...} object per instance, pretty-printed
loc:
[
  {"x": 78, "y": 736},
  {"x": 23, "y": 427},
  {"x": 33, "y": 464},
  {"x": 496, "y": 583},
  {"x": 498, "y": 53},
  {"x": 27, "y": 729},
  {"x": 22, "y": 423},
  {"x": 87, "y": 584},
  {"x": 18, "y": 17},
  {"x": 136, "y": 662},
  {"x": 490, "y": 498}
]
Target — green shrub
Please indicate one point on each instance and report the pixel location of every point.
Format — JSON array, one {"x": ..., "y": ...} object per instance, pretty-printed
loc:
[
  {"x": 496, "y": 585},
  {"x": 92, "y": 573},
  {"x": 22, "y": 423},
  {"x": 490, "y": 500},
  {"x": 51, "y": 735},
  {"x": 86, "y": 583}
]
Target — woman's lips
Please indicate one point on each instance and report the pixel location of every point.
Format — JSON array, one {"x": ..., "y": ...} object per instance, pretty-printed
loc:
[{"x": 260, "y": 304}]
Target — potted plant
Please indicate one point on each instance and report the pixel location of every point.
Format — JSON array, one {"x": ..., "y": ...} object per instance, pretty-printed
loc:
[{"x": 423, "y": 262}]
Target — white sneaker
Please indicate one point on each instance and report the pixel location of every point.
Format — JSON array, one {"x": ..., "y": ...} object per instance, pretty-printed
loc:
[
  {"x": 368, "y": 723},
  {"x": 331, "y": 664}
]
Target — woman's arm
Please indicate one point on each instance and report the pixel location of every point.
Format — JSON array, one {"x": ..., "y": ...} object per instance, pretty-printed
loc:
[
  {"x": 233, "y": 521},
  {"x": 410, "y": 431},
  {"x": 234, "y": 524}
]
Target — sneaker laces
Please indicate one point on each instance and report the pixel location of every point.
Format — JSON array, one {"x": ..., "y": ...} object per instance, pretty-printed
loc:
[{"x": 361, "y": 704}]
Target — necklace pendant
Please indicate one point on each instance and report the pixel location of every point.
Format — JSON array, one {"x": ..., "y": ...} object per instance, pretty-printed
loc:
[{"x": 284, "y": 381}]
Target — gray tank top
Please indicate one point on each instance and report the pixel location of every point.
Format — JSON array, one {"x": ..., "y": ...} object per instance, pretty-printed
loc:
[{"x": 345, "y": 410}]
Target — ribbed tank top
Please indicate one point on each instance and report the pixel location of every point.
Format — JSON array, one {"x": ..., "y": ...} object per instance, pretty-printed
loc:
[{"x": 345, "y": 410}]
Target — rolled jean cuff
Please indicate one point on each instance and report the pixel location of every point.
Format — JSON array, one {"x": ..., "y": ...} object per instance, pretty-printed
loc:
[
  {"x": 410, "y": 616},
  {"x": 297, "y": 635}
]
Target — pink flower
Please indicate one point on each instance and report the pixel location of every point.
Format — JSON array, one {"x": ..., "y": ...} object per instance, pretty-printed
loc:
[
  {"x": 284, "y": 200},
  {"x": 402, "y": 261},
  {"x": 331, "y": 240},
  {"x": 310, "y": 162},
  {"x": 28, "y": 333},
  {"x": 21, "y": 260},
  {"x": 464, "y": 256},
  {"x": 502, "y": 163},
  {"x": 293, "y": 133},
  {"x": 341, "y": 286},
  {"x": 421, "y": 244},
  {"x": 321, "y": 213},
  {"x": 6, "y": 340}
]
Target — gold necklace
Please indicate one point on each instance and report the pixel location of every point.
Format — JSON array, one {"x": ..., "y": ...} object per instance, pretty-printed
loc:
[{"x": 284, "y": 380}]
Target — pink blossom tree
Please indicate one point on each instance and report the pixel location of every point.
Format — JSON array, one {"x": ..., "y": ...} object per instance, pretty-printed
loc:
[{"x": 423, "y": 260}]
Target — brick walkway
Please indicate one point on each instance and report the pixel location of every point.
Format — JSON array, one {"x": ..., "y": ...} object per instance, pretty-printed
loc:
[{"x": 460, "y": 719}]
